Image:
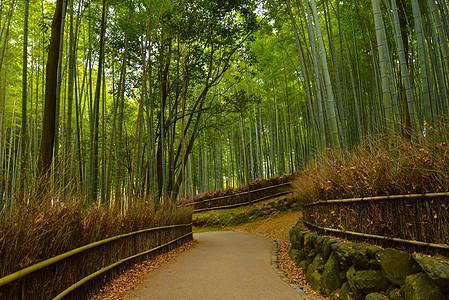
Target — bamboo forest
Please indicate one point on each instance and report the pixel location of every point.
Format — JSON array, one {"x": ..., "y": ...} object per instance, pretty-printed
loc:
[{"x": 118, "y": 101}]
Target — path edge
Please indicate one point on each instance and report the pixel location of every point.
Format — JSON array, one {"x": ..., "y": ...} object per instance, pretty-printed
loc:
[{"x": 274, "y": 262}]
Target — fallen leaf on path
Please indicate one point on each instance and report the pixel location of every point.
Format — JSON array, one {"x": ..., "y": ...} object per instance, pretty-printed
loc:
[{"x": 117, "y": 288}]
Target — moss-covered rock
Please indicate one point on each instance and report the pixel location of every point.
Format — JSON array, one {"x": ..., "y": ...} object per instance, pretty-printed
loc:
[
  {"x": 396, "y": 265},
  {"x": 310, "y": 257},
  {"x": 421, "y": 287},
  {"x": 302, "y": 265},
  {"x": 316, "y": 265},
  {"x": 318, "y": 243},
  {"x": 359, "y": 258},
  {"x": 372, "y": 250},
  {"x": 436, "y": 270},
  {"x": 297, "y": 255},
  {"x": 330, "y": 280},
  {"x": 376, "y": 296},
  {"x": 326, "y": 248},
  {"x": 308, "y": 241},
  {"x": 343, "y": 254},
  {"x": 315, "y": 280},
  {"x": 395, "y": 294},
  {"x": 346, "y": 293},
  {"x": 374, "y": 264},
  {"x": 297, "y": 237},
  {"x": 366, "y": 281}
]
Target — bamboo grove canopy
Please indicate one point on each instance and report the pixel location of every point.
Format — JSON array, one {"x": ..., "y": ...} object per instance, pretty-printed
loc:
[{"x": 130, "y": 99}]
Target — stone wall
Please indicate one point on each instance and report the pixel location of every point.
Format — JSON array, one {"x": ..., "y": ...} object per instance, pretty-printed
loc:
[{"x": 360, "y": 271}]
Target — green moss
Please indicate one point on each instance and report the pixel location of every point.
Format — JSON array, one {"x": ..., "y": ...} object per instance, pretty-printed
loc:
[
  {"x": 421, "y": 287},
  {"x": 221, "y": 219},
  {"x": 396, "y": 265}
]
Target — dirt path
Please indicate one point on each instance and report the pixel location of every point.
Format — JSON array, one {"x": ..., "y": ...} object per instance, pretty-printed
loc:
[
  {"x": 276, "y": 227},
  {"x": 224, "y": 265}
]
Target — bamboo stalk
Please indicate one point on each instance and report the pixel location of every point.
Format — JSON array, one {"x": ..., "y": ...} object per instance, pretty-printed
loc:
[
  {"x": 101, "y": 271},
  {"x": 381, "y": 237},
  {"x": 378, "y": 198},
  {"x": 33, "y": 268}
]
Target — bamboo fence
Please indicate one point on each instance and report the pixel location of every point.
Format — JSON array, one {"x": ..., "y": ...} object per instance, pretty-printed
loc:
[
  {"x": 63, "y": 275},
  {"x": 415, "y": 222},
  {"x": 242, "y": 198}
]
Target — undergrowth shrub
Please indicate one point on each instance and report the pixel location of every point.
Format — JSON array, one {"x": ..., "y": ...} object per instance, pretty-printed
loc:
[{"x": 381, "y": 165}]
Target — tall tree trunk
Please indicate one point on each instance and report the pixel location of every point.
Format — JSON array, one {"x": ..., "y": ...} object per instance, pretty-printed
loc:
[
  {"x": 443, "y": 48},
  {"x": 24, "y": 100},
  {"x": 425, "y": 94},
  {"x": 400, "y": 32},
  {"x": 161, "y": 164},
  {"x": 3, "y": 188},
  {"x": 56, "y": 165},
  {"x": 49, "y": 117},
  {"x": 316, "y": 84},
  {"x": 96, "y": 111},
  {"x": 443, "y": 39},
  {"x": 333, "y": 122},
  {"x": 118, "y": 151},
  {"x": 138, "y": 133},
  {"x": 386, "y": 92},
  {"x": 341, "y": 114},
  {"x": 5, "y": 31},
  {"x": 71, "y": 80},
  {"x": 151, "y": 182}
]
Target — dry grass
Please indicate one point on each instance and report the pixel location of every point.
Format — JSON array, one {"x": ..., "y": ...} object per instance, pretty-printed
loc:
[
  {"x": 32, "y": 234},
  {"x": 254, "y": 185},
  {"x": 382, "y": 165}
]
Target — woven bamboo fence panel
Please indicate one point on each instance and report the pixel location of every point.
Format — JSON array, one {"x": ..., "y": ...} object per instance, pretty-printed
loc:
[
  {"x": 240, "y": 199},
  {"x": 409, "y": 222},
  {"x": 107, "y": 258}
]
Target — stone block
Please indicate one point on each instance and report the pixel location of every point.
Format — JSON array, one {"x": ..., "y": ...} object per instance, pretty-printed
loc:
[
  {"x": 366, "y": 281},
  {"x": 343, "y": 254},
  {"x": 396, "y": 265},
  {"x": 314, "y": 266},
  {"x": 421, "y": 287},
  {"x": 436, "y": 270},
  {"x": 359, "y": 258},
  {"x": 330, "y": 280},
  {"x": 376, "y": 296}
]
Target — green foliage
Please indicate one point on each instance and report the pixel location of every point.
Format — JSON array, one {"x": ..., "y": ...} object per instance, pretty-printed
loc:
[
  {"x": 239, "y": 102},
  {"x": 235, "y": 91}
]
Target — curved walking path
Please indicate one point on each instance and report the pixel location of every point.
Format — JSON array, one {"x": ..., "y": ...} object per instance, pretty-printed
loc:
[{"x": 224, "y": 265}]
